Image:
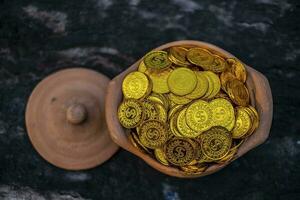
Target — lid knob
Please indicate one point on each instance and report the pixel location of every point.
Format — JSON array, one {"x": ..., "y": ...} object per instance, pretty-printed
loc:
[{"x": 76, "y": 113}]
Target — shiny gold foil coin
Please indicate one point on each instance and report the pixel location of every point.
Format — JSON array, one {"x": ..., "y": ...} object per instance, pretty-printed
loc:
[
  {"x": 160, "y": 156},
  {"x": 135, "y": 85},
  {"x": 179, "y": 151},
  {"x": 182, "y": 81},
  {"x": 173, "y": 110},
  {"x": 237, "y": 68},
  {"x": 222, "y": 112},
  {"x": 157, "y": 60},
  {"x": 130, "y": 113},
  {"x": 199, "y": 116},
  {"x": 242, "y": 124},
  {"x": 142, "y": 67},
  {"x": 216, "y": 142},
  {"x": 238, "y": 92},
  {"x": 201, "y": 87},
  {"x": 219, "y": 64},
  {"x": 200, "y": 57},
  {"x": 182, "y": 126},
  {"x": 173, "y": 125},
  {"x": 162, "y": 113},
  {"x": 216, "y": 84},
  {"x": 177, "y": 55},
  {"x": 150, "y": 110},
  {"x": 137, "y": 142},
  {"x": 159, "y": 80},
  {"x": 225, "y": 77},
  {"x": 178, "y": 100},
  {"x": 153, "y": 134}
]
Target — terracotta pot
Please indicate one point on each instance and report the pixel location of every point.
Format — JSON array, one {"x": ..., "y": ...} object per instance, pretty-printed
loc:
[{"x": 261, "y": 99}]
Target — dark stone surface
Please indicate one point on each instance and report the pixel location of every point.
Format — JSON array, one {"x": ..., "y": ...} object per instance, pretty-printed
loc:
[{"x": 40, "y": 37}]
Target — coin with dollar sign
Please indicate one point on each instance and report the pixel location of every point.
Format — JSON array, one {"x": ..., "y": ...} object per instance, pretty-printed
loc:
[{"x": 180, "y": 151}]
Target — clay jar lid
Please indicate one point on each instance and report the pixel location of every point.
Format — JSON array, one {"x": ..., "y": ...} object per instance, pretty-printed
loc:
[
  {"x": 65, "y": 119},
  {"x": 261, "y": 99}
]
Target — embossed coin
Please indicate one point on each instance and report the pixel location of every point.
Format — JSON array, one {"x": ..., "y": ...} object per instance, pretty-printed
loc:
[
  {"x": 130, "y": 113},
  {"x": 183, "y": 128},
  {"x": 200, "y": 57},
  {"x": 135, "y": 85},
  {"x": 199, "y": 116},
  {"x": 201, "y": 87},
  {"x": 157, "y": 60},
  {"x": 142, "y": 67},
  {"x": 237, "y": 68},
  {"x": 153, "y": 134},
  {"x": 179, "y": 151},
  {"x": 159, "y": 80},
  {"x": 182, "y": 81},
  {"x": 161, "y": 157},
  {"x": 162, "y": 113},
  {"x": 150, "y": 110},
  {"x": 222, "y": 112},
  {"x": 216, "y": 142},
  {"x": 179, "y": 100},
  {"x": 218, "y": 65},
  {"x": 215, "y": 84},
  {"x": 177, "y": 55},
  {"x": 238, "y": 92},
  {"x": 242, "y": 124}
]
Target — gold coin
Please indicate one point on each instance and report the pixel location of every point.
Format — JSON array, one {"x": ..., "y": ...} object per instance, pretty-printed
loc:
[
  {"x": 162, "y": 113},
  {"x": 194, "y": 169},
  {"x": 135, "y": 85},
  {"x": 222, "y": 112},
  {"x": 134, "y": 143},
  {"x": 173, "y": 110},
  {"x": 173, "y": 125},
  {"x": 181, "y": 100},
  {"x": 159, "y": 80},
  {"x": 242, "y": 124},
  {"x": 210, "y": 87},
  {"x": 182, "y": 81},
  {"x": 157, "y": 60},
  {"x": 216, "y": 142},
  {"x": 230, "y": 126},
  {"x": 200, "y": 57},
  {"x": 182, "y": 126},
  {"x": 225, "y": 77},
  {"x": 142, "y": 67},
  {"x": 137, "y": 142},
  {"x": 223, "y": 95},
  {"x": 237, "y": 68},
  {"x": 153, "y": 134},
  {"x": 201, "y": 87},
  {"x": 218, "y": 65},
  {"x": 160, "y": 156},
  {"x": 256, "y": 117},
  {"x": 238, "y": 92},
  {"x": 199, "y": 116},
  {"x": 179, "y": 151},
  {"x": 177, "y": 55},
  {"x": 130, "y": 113},
  {"x": 150, "y": 110},
  {"x": 154, "y": 98},
  {"x": 216, "y": 85}
]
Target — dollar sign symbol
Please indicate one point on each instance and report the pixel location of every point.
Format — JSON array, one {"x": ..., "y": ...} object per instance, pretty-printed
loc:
[
  {"x": 179, "y": 152},
  {"x": 130, "y": 113}
]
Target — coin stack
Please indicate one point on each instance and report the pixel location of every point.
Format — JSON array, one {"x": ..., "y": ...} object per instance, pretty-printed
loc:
[{"x": 187, "y": 107}]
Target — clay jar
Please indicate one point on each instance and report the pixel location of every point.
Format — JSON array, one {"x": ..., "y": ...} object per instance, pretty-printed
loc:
[{"x": 261, "y": 99}]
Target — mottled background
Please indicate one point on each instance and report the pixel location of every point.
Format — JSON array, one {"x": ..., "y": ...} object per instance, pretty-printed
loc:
[{"x": 40, "y": 37}]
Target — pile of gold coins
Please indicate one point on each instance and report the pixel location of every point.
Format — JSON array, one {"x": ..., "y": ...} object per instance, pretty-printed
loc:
[{"x": 187, "y": 107}]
